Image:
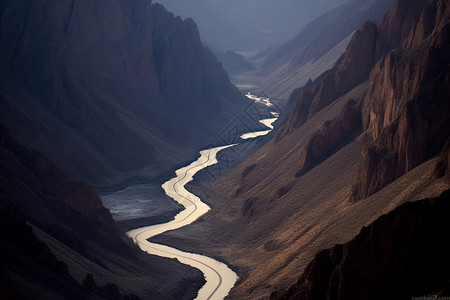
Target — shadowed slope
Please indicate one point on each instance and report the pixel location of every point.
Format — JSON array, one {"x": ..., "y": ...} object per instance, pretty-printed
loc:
[
  {"x": 400, "y": 255},
  {"x": 91, "y": 85},
  {"x": 73, "y": 236}
]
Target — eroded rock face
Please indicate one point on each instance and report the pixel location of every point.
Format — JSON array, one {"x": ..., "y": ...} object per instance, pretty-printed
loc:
[
  {"x": 352, "y": 68},
  {"x": 443, "y": 165},
  {"x": 400, "y": 255},
  {"x": 400, "y": 28},
  {"x": 406, "y": 109},
  {"x": 333, "y": 134}
]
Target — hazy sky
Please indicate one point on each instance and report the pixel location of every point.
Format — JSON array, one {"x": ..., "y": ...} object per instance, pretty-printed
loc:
[{"x": 249, "y": 24}]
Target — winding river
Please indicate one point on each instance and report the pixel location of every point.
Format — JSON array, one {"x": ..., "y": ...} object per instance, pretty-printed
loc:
[{"x": 220, "y": 279}]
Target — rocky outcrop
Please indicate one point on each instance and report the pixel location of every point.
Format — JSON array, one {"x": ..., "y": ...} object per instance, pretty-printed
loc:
[
  {"x": 331, "y": 136},
  {"x": 443, "y": 165},
  {"x": 400, "y": 255},
  {"x": 351, "y": 69},
  {"x": 401, "y": 28},
  {"x": 189, "y": 75},
  {"x": 406, "y": 109},
  {"x": 90, "y": 85}
]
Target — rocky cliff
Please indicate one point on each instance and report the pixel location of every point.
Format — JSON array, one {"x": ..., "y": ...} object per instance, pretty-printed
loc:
[
  {"x": 90, "y": 84},
  {"x": 442, "y": 167},
  {"x": 351, "y": 69},
  {"x": 331, "y": 135},
  {"x": 405, "y": 114},
  {"x": 401, "y": 255},
  {"x": 406, "y": 109}
]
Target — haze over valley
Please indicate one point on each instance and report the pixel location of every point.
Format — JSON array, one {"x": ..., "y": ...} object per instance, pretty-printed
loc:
[
  {"x": 212, "y": 149},
  {"x": 249, "y": 25}
]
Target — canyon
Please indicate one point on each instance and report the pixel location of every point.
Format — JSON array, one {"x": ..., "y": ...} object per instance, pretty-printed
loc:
[
  {"x": 85, "y": 91},
  {"x": 345, "y": 197},
  {"x": 360, "y": 140}
]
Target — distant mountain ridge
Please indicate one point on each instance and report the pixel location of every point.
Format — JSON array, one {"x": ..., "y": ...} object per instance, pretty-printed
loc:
[
  {"x": 327, "y": 31},
  {"x": 316, "y": 48},
  {"x": 249, "y": 25}
]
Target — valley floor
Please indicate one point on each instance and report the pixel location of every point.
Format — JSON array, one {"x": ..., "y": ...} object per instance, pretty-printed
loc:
[{"x": 270, "y": 252}]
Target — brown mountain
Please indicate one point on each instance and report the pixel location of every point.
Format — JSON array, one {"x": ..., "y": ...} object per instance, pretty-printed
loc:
[
  {"x": 401, "y": 254},
  {"x": 442, "y": 167},
  {"x": 406, "y": 109},
  {"x": 110, "y": 89},
  {"x": 370, "y": 129}
]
